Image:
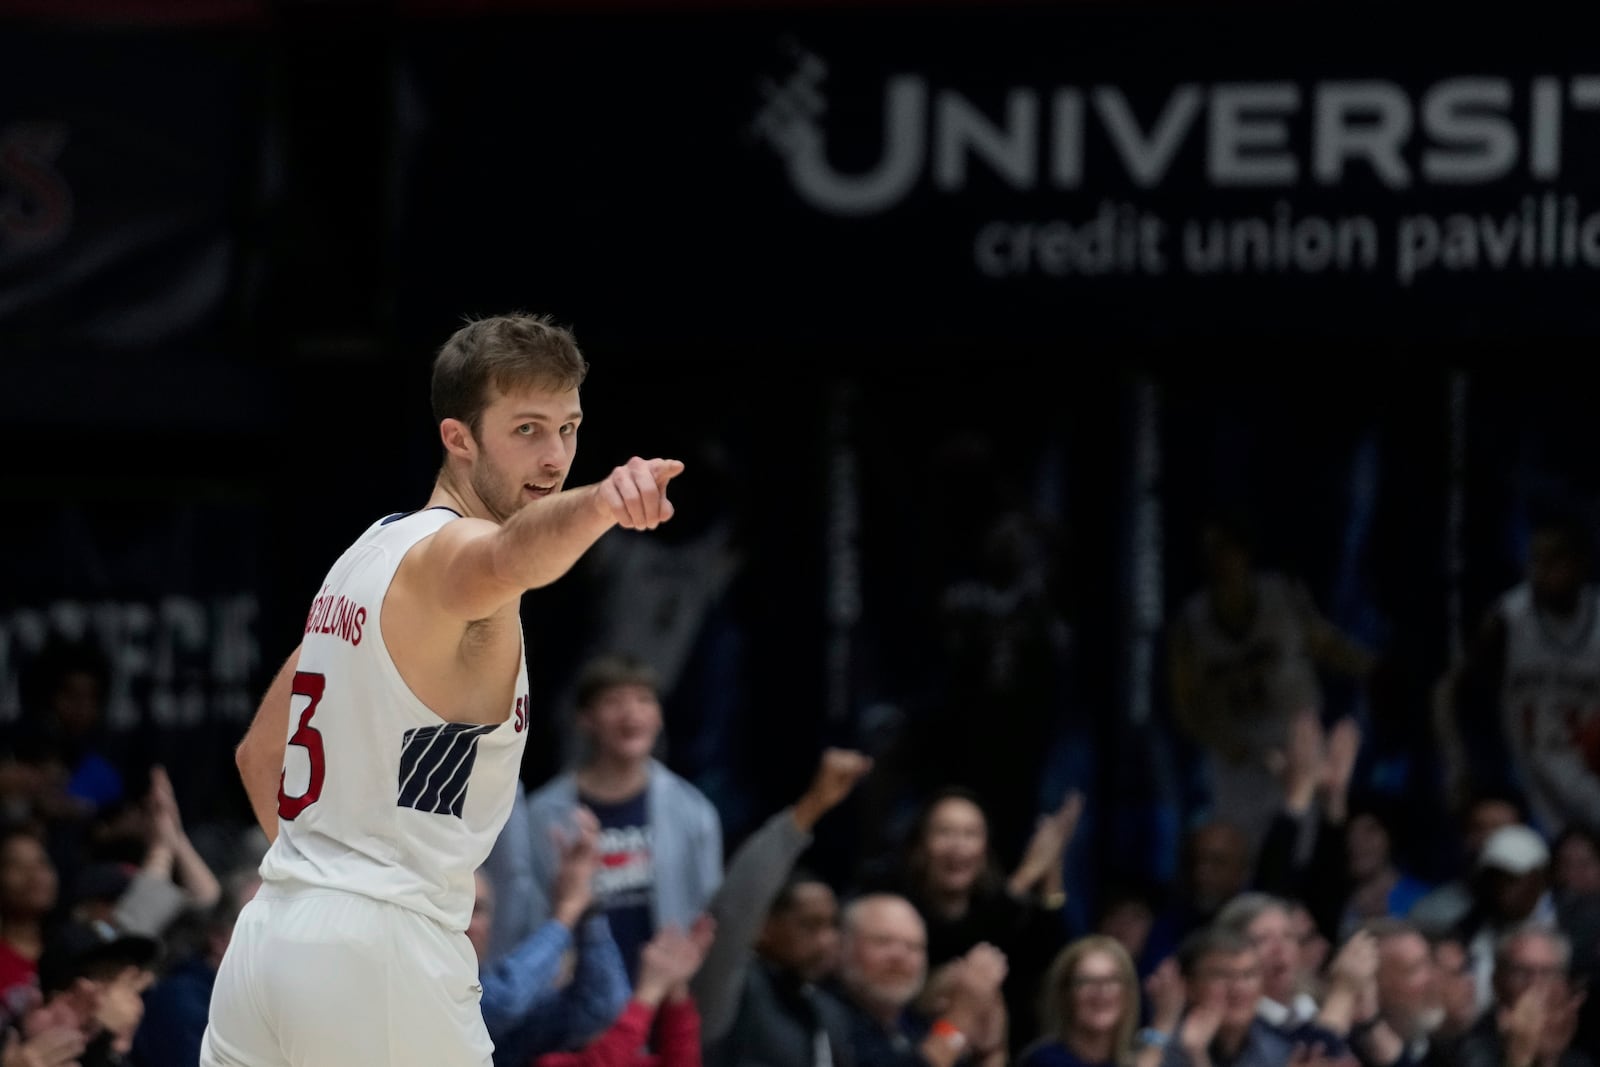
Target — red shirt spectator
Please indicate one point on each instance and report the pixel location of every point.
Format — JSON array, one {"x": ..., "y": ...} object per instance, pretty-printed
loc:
[{"x": 677, "y": 1039}]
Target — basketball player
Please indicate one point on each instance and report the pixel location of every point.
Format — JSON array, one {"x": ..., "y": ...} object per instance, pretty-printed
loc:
[
  {"x": 1248, "y": 653},
  {"x": 404, "y": 711},
  {"x": 1533, "y": 679}
]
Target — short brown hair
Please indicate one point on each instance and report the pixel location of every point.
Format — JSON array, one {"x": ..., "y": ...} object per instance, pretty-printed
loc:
[
  {"x": 1210, "y": 941},
  {"x": 503, "y": 352},
  {"x": 609, "y": 672}
]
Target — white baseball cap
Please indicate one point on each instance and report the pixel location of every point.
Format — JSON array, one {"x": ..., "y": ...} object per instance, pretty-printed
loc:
[{"x": 1515, "y": 850}]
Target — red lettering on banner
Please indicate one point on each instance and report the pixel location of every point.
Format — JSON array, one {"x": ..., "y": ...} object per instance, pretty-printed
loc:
[{"x": 35, "y": 200}]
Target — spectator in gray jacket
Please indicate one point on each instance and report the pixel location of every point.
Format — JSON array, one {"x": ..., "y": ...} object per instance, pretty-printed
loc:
[
  {"x": 660, "y": 838},
  {"x": 777, "y": 937}
]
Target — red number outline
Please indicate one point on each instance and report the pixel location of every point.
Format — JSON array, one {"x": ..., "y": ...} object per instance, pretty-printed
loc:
[{"x": 306, "y": 684}]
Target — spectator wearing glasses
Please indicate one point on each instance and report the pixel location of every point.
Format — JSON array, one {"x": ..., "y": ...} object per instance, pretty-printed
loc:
[
  {"x": 1533, "y": 1021},
  {"x": 1220, "y": 1027},
  {"x": 1090, "y": 1008}
]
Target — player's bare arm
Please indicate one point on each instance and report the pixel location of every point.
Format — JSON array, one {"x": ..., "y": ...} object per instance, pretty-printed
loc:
[
  {"x": 259, "y": 756},
  {"x": 473, "y": 568}
]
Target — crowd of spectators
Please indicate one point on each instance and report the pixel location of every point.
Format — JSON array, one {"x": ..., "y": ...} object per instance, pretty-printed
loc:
[{"x": 616, "y": 925}]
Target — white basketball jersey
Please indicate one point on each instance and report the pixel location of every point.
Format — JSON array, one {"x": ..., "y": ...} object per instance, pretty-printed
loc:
[
  {"x": 379, "y": 795},
  {"x": 1254, "y": 682},
  {"x": 1550, "y": 700}
]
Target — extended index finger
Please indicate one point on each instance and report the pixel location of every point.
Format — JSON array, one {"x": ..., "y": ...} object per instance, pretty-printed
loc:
[{"x": 664, "y": 470}]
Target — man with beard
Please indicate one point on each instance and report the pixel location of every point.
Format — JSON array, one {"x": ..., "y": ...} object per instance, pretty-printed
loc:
[
  {"x": 883, "y": 964},
  {"x": 1411, "y": 1007},
  {"x": 383, "y": 760}
]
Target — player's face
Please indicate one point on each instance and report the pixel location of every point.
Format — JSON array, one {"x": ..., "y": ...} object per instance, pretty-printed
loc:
[
  {"x": 1227, "y": 562},
  {"x": 1554, "y": 571},
  {"x": 527, "y": 439},
  {"x": 624, "y": 722}
]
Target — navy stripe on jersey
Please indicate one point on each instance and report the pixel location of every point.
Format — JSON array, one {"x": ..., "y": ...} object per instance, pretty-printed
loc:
[
  {"x": 435, "y": 765},
  {"x": 397, "y": 516}
]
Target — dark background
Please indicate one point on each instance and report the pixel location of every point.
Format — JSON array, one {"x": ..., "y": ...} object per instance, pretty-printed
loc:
[{"x": 232, "y": 235}]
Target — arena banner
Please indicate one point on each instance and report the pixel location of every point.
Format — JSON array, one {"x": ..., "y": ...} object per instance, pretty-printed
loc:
[
  {"x": 128, "y": 167},
  {"x": 167, "y": 591},
  {"x": 1009, "y": 173}
]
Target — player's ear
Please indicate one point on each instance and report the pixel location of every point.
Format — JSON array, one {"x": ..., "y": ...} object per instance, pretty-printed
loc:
[{"x": 457, "y": 438}]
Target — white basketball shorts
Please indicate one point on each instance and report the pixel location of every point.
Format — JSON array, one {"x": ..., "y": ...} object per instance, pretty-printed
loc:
[{"x": 320, "y": 978}]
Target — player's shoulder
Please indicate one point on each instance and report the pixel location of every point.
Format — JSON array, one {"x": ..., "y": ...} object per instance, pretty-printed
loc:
[
  {"x": 1282, "y": 588},
  {"x": 437, "y": 534},
  {"x": 406, "y": 525},
  {"x": 427, "y": 539},
  {"x": 1518, "y": 600}
]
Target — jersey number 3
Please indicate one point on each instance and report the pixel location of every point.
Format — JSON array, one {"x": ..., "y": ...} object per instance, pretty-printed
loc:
[{"x": 305, "y": 736}]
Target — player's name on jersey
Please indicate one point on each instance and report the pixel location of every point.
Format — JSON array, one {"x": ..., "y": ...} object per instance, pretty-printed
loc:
[{"x": 338, "y": 615}]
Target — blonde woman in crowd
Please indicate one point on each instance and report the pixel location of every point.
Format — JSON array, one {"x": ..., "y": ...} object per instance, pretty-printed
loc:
[{"x": 1090, "y": 1007}]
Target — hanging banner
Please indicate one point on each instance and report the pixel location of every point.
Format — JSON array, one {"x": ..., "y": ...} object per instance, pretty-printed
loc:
[
  {"x": 128, "y": 164},
  {"x": 990, "y": 174},
  {"x": 168, "y": 593}
]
